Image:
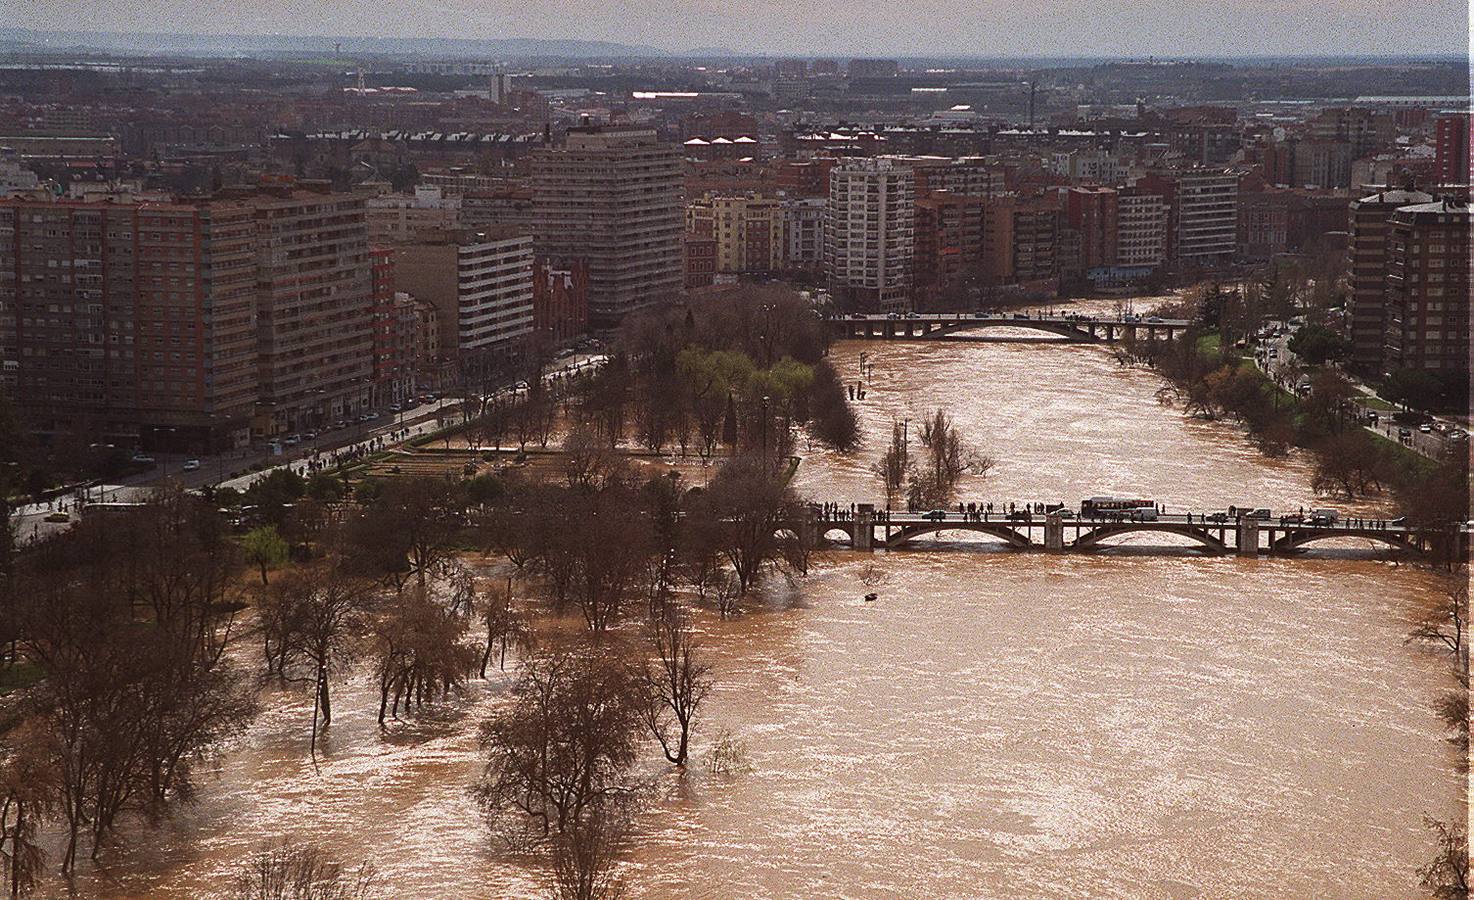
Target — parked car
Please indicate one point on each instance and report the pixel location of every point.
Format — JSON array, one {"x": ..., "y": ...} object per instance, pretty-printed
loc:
[
  {"x": 1425, "y": 428},
  {"x": 191, "y": 465},
  {"x": 1219, "y": 517},
  {"x": 58, "y": 517},
  {"x": 142, "y": 459},
  {"x": 1260, "y": 513}
]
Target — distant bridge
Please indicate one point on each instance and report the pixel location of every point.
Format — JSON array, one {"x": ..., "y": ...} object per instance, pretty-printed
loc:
[
  {"x": 1064, "y": 531},
  {"x": 1072, "y": 327}
]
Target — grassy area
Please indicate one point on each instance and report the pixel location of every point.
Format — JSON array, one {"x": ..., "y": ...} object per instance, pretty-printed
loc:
[
  {"x": 1376, "y": 403},
  {"x": 19, "y": 676},
  {"x": 1210, "y": 344}
]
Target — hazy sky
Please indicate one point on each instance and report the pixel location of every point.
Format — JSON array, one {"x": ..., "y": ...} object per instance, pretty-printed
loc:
[{"x": 840, "y": 27}]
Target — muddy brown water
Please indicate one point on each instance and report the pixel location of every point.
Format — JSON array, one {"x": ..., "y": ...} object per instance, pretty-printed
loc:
[{"x": 1132, "y": 723}]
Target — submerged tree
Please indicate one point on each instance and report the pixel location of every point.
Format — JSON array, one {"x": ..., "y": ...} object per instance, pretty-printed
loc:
[
  {"x": 327, "y": 612},
  {"x": 946, "y": 459},
  {"x": 560, "y": 753},
  {"x": 292, "y": 871},
  {"x": 676, "y": 679}
]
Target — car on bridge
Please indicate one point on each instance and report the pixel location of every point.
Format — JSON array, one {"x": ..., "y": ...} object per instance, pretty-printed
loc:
[
  {"x": 935, "y": 515},
  {"x": 1218, "y": 517}
]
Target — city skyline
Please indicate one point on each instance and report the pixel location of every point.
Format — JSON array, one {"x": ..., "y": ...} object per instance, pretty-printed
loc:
[{"x": 1086, "y": 28}]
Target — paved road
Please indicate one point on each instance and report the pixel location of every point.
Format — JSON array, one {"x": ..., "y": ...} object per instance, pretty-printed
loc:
[{"x": 387, "y": 431}]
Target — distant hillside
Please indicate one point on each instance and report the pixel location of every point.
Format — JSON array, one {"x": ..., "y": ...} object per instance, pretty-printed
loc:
[{"x": 238, "y": 44}]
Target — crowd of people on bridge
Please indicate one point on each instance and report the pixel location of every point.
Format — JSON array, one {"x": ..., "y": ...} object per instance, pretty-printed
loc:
[{"x": 1012, "y": 511}]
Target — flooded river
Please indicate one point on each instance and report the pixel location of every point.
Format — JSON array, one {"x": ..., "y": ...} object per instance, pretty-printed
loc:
[{"x": 1124, "y": 724}]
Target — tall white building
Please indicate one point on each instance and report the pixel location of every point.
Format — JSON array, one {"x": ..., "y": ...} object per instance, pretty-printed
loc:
[
  {"x": 870, "y": 234},
  {"x": 480, "y": 283},
  {"x": 1207, "y": 216},
  {"x": 1141, "y": 229}
]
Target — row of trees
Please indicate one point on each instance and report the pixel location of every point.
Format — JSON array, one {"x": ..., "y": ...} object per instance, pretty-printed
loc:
[
  {"x": 127, "y": 629},
  {"x": 1349, "y": 461},
  {"x": 738, "y": 371}
]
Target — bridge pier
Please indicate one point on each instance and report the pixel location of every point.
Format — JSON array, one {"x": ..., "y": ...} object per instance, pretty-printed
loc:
[
  {"x": 863, "y": 535},
  {"x": 1054, "y": 533},
  {"x": 1248, "y": 537},
  {"x": 808, "y": 528}
]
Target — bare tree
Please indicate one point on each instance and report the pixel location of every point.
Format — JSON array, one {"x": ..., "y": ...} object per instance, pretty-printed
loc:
[
  {"x": 584, "y": 857},
  {"x": 26, "y": 787},
  {"x": 291, "y": 871},
  {"x": 1447, "y": 874},
  {"x": 1446, "y": 624},
  {"x": 563, "y": 748},
  {"x": 895, "y": 464},
  {"x": 505, "y": 625},
  {"x": 128, "y": 622},
  {"x": 745, "y": 505},
  {"x": 419, "y": 652},
  {"x": 329, "y": 612},
  {"x": 946, "y": 460},
  {"x": 676, "y": 679}
]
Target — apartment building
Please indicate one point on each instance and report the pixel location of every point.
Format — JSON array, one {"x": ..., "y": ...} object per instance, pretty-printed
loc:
[
  {"x": 1451, "y": 148},
  {"x": 612, "y": 195},
  {"x": 398, "y": 218},
  {"x": 1141, "y": 229},
  {"x": 749, "y": 232},
  {"x": 132, "y": 324},
  {"x": 803, "y": 229},
  {"x": 1094, "y": 213},
  {"x": 481, "y": 285},
  {"x": 1366, "y": 308},
  {"x": 314, "y": 305},
  {"x": 1427, "y": 320},
  {"x": 869, "y": 235},
  {"x": 949, "y": 242},
  {"x": 1203, "y": 214},
  {"x": 1019, "y": 243},
  {"x": 560, "y": 300}
]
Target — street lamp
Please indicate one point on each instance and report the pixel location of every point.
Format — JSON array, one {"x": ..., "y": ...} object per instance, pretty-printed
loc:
[{"x": 765, "y": 429}]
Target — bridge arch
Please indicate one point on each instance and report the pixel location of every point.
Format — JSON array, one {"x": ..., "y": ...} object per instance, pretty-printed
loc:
[
  {"x": 909, "y": 533},
  {"x": 835, "y": 534},
  {"x": 1095, "y": 535},
  {"x": 1062, "y": 329},
  {"x": 1296, "y": 540}
]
